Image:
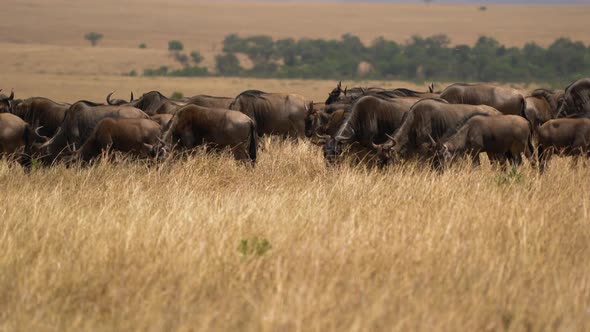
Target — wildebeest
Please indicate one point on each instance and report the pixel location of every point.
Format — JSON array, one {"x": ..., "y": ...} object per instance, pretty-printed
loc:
[
  {"x": 576, "y": 99},
  {"x": 5, "y": 102},
  {"x": 80, "y": 120},
  {"x": 569, "y": 137},
  {"x": 194, "y": 126},
  {"x": 428, "y": 121},
  {"x": 274, "y": 113},
  {"x": 370, "y": 121},
  {"x": 42, "y": 113},
  {"x": 154, "y": 102},
  {"x": 14, "y": 134},
  {"x": 541, "y": 106},
  {"x": 505, "y": 100},
  {"x": 497, "y": 135},
  {"x": 162, "y": 119},
  {"x": 337, "y": 95},
  {"x": 210, "y": 101},
  {"x": 138, "y": 137},
  {"x": 118, "y": 102}
]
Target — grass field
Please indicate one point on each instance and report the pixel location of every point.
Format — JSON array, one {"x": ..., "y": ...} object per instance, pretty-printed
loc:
[
  {"x": 290, "y": 245},
  {"x": 209, "y": 244}
]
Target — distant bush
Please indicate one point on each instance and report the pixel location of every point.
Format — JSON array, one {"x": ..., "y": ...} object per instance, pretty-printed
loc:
[
  {"x": 228, "y": 64},
  {"x": 420, "y": 58},
  {"x": 189, "y": 72},
  {"x": 162, "y": 71},
  {"x": 93, "y": 37},
  {"x": 133, "y": 73},
  {"x": 182, "y": 58},
  {"x": 177, "y": 95},
  {"x": 196, "y": 57},
  {"x": 483, "y": 8},
  {"x": 175, "y": 45},
  {"x": 142, "y": 45}
]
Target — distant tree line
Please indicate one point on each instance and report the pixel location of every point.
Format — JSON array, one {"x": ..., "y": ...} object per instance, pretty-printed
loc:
[{"x": 430, "y": 58}]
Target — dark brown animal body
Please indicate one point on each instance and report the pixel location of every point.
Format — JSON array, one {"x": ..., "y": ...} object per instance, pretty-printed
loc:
[
  {"x": 154, "y": 102},
  {"x": 426, "y": 123},
  {"x": 14, "y": 134},
  {"x": 163, "y": 120},
  {"x": 576, "y": 99},
  {"x": 42, "y": 113},
  {"x": 79, "y": 122},
  {"x": 541, "y": 107},
  {"x": 505, "y": 100},
  {"x": 504, "y": 135},
  {"x": 194, "y": 126},
  {"x": 337, "y": 95},
  {"x": 370, "y": 121},
  {"x": 139, "y": 137},
  {"x": 210, "y": 101},
  {"x": 569, "y": 137},
  {"x": 274, "y": 113},
  {"x": 6, "y": 102}
]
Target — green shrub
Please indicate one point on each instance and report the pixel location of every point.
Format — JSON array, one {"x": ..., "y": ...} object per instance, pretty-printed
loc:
[
  {"x": 177, "y": 95},
  {"x": 142, "y": 45},
  {"x": 175, "y": 45},
  {"x": 93, "y": 37}
]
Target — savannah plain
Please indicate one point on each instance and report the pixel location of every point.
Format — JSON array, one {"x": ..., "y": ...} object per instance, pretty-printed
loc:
[{"x": 289, "y": 245}]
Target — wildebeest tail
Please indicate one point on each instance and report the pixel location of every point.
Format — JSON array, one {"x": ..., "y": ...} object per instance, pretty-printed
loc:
[
  {"x": 253, "y": 144},
  {"x": 28, "y": 137}
]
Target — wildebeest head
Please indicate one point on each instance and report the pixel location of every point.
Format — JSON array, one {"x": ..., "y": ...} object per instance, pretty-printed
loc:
[
  {"x": 555, "y": 100},
  {"x": 335, "y": 94},
  {"x": 6, "y": 102},
  {"x": 118, "y": 102},
  {"x": 576, "y": 99},
  {"x": 314, "y": 120},
  {"x": 384, "y": 150}
]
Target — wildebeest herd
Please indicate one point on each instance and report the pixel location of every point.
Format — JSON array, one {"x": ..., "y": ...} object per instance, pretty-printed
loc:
[{"x": 370, "y": 124}]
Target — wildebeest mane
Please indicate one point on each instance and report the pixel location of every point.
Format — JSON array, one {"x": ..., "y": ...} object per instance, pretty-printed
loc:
[{"x": 88, "y": 103}]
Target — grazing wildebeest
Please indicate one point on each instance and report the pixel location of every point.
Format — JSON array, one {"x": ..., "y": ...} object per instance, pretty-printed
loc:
[
  {"x": 118, "y": 102},
  {"x": 42, "y": 113},
  {"x": 497, "y": 135},
  {"x": 274, "y": 113},
  {"x": 210, "y": 101},
  {"x": 154, "y": 102},
  {"x": 194, "y": 126},
  {"x": 541, "y": 106},
  {"x": 370, "y": 121},
  {"x": 505, "y": 100},
  {"x": 138, "y": 137},
  {"x": 576, "y": 99},
  {"x": 80, "y": 120},
  {"x": 5, "y": 102},
  {"x": 567, "y": 137},
  {"x": 428, "y": 121}
]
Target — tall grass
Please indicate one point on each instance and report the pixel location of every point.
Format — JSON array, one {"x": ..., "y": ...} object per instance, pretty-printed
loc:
[{"x": 291, "y": 245}]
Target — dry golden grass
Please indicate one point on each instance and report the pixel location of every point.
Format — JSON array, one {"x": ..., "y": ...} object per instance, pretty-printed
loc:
[{"x": 129, "y": 247}]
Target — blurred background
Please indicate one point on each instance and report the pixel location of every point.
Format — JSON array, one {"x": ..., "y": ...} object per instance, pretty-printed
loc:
[{"x": 69, "y": 50}]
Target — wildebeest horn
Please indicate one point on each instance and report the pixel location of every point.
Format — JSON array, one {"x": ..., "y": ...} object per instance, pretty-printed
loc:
[
  {"x": 131, "y": 100},
  {"x": 52, "y": 139},
  {"x": 39, "y": 134},
  {"x": 339, "y": 86},
  {"x": 344, "y": 138},
  {"x": 326, "y": 137},
  {"x": 432, "y": 140},
  {"x": 389, "y": 136},
  {"x": 11, "y": 95},
  {"x": 109, "y": 98},
  {"x": 345, "y": 89},
  {"x": 431, "y": 87}
]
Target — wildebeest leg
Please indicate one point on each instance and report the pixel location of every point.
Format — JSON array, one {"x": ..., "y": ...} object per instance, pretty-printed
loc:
[
  {"x": 544, "y": 157},
  {"x": 475, "y": 159}
]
